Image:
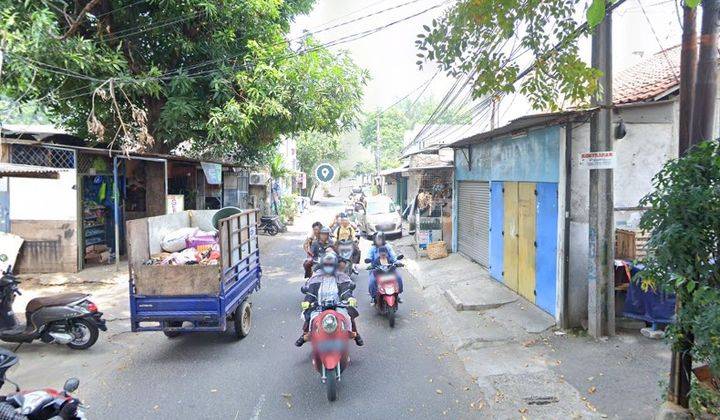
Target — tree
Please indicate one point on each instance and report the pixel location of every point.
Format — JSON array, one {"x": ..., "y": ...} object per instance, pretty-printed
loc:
[
  {"x": 471, "y": 40},
  {"x": 393, "y": 124},
  {"x": 278, "y": 171},
  {"x": 155, "y": 73},
  {"x": 396, "y": 121},
  {"x": 315, "y": 148},
  {"x": 684, "y": 220}
]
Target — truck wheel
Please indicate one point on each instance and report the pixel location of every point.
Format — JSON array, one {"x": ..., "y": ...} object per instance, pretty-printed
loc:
[
  {"x": 242, "y": 319},
  {"x": 86, "y": 334},
  {"x": 173, "y": 334}
]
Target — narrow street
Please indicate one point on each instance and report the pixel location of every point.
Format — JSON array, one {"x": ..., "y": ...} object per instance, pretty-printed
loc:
[{"x": 401, "y": 371}]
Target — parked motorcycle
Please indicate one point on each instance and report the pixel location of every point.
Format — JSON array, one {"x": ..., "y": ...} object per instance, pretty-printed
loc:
[
  {"x": 388, "y": 290},
  {"x": 270, "y": 224},
  {"x": 41, "y": 404},
  {"x": 69, "y": 318},
  {"x": 330, "y": 334}
]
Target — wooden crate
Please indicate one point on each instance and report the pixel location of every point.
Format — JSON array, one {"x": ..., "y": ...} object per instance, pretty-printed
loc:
[{"x": 625, "y": 247}]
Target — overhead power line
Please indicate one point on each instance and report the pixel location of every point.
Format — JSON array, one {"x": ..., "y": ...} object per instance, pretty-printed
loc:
[{"x": 576, "y": 32}]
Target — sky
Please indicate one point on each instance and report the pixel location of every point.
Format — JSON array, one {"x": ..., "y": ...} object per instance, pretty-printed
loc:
[{"x": 390, "y": 55}]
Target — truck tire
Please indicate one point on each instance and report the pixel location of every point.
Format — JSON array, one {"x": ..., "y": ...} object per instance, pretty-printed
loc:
[{"x": 242, "y": 320}]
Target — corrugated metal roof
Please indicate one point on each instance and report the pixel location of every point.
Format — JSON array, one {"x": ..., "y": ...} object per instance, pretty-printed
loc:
[
  {"x": 29, "y": 171},
  {"x": 522, "y": 123}
]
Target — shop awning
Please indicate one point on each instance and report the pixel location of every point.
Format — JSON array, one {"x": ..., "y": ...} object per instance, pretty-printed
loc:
[{"x": 28, "y": 171}]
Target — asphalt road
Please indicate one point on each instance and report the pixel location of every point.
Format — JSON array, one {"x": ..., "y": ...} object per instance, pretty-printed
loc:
[{"x": 399, "y": 372}]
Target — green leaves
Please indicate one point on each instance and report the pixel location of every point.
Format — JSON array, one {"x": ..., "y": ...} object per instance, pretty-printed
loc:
[
  {"x": 596, "y": 13},
  {"x": 482, "y": 39},
  {"x": 692, "y": 3},
  {"x": 218, "y": 73},
  {"x": 683, "y": 250}
]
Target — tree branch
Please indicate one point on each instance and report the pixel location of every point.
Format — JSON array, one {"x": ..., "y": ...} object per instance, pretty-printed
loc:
[{"x": 75, "y": 25}]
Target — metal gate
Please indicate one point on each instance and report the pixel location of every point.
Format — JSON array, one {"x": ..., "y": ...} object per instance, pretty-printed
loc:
[{"x": 474, "y": 220}]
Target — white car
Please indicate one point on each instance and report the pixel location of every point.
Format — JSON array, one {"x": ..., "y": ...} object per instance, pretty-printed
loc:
[{"x": 380, "y": 215}]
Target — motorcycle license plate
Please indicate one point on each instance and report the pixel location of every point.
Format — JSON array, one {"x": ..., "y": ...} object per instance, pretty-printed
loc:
[{"x": 331, "y": 346}]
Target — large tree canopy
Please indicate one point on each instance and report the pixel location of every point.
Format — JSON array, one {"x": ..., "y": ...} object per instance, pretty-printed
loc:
[
  {"x": 155, "y": 73},
  {"x": 482, "y": 40}
]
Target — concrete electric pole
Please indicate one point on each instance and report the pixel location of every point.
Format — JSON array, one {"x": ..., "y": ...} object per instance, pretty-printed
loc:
[
  {"x": 377, "y": 144},
  {"x": 601, "y": 243}
]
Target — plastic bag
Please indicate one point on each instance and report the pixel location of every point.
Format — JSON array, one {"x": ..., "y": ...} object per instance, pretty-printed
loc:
[
  {"x": 201, "y": 240},
  {"x": 176, "y": 240}
]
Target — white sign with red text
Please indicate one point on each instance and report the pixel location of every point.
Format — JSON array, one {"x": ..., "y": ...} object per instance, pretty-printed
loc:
[{"x": 597, "y": 160}]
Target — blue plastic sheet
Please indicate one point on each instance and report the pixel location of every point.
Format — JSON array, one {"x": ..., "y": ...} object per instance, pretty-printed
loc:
[{"x": 651, "y": 306}]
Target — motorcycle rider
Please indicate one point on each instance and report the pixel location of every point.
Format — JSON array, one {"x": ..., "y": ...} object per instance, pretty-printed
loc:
[
  {"x": 347, "y": 232},
  {"x": 318, "y": 247},
  {"x": 329, "y": 269},
  {"x": 381, "y": 252},
  {"x": 307, "y": 246}
]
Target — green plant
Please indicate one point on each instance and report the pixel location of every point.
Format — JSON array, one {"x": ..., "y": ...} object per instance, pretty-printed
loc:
[
  {"x": 684, "y": 247},
  {"x": 220, "y": 73},
  {"x": 288, "y": 207}
]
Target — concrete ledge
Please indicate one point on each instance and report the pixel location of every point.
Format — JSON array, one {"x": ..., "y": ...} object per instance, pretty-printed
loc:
[
  {"x": 479, "y": 297},
  {"x": 671, "y": 411}
]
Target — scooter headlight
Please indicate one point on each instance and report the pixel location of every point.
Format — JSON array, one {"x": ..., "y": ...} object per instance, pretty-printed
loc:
[{"x": 329, "y": 324}]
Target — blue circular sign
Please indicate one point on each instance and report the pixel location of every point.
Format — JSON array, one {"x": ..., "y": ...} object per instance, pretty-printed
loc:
[{"x": 325, "y": 172}]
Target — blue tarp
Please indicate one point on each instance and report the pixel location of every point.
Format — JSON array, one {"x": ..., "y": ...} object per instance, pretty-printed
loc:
[{"x": 651, "y": 306}]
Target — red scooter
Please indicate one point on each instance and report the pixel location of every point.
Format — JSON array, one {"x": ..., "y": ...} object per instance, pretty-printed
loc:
[
  {"x": 388, "y": 289},
  {"x": 330, "y": 334}
]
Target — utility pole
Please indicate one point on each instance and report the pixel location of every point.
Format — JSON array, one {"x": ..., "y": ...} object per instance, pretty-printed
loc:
[
  {"x": 706, "y": 81},
  {"x": 681, "y": 361},
  {"x": 601, "y": 243},
  {"x": 377, "y": 144}
]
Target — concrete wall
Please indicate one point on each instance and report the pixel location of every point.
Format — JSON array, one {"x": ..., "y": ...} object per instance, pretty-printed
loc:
[
  {"x": 44, "y": 213},
  {"x": 534, "y": 156},
  {"x": 50, "y": 246},
  {"x": 650, "y": 141}
]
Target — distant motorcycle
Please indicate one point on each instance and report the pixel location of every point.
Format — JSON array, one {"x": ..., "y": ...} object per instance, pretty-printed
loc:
[
  {"x": 388, "y": 289},
  {"x": 270, "y": 225},
  {"x": 68, "y": 318},
  {"x": 330, "y": 334},
  {"x": 41, "y": 404}
]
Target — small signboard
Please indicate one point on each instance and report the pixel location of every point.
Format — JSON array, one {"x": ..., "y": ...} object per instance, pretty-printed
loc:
[
  {"x": 213, "y": 172},
  {"x": 597, "y": 160},
  {"x": 325, "y": 172}
]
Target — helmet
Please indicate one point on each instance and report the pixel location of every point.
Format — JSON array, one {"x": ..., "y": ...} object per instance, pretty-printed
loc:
[
  {"x": 343, "y": 215},
  {"x": 329, "y": 263},
  {"x": 380, "y": 236},
  {"x": 325, "y": 230}
]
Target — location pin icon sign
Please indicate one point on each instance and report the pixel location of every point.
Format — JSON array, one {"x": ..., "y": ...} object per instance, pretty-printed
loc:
[{"x": 325, "y": 172}]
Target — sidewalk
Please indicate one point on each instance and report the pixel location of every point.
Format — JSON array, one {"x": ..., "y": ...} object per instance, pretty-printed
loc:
[{"x": 525, "y": 367}]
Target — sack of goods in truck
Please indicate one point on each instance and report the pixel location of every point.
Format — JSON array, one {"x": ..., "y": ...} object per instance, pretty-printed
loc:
[{"x": 176, "y": 240}]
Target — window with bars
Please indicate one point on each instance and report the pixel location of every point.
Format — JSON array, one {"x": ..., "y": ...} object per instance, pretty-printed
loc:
[{"x": 42, "y": 156}]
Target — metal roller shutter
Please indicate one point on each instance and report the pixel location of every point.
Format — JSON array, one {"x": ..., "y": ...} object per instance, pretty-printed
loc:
[{"x": 474, "y": 220}]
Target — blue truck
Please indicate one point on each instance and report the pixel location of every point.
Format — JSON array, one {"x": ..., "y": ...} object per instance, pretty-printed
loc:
[{"x": 178, "y": 299}]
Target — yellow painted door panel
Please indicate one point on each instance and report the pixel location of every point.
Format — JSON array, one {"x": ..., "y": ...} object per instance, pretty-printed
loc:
[
  {"x": 526, "y": 240},
  {"x": 510, "y": 235}
]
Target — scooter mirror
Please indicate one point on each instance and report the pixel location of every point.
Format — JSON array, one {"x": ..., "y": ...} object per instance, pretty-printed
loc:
[
  {"x": 400, "y": 257},
  {"x": 368, "y": 260},
  {"x": 353, "y": 286},
  {"x": 71, "y": 385},
  {"x": 304, "y": 289}
]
